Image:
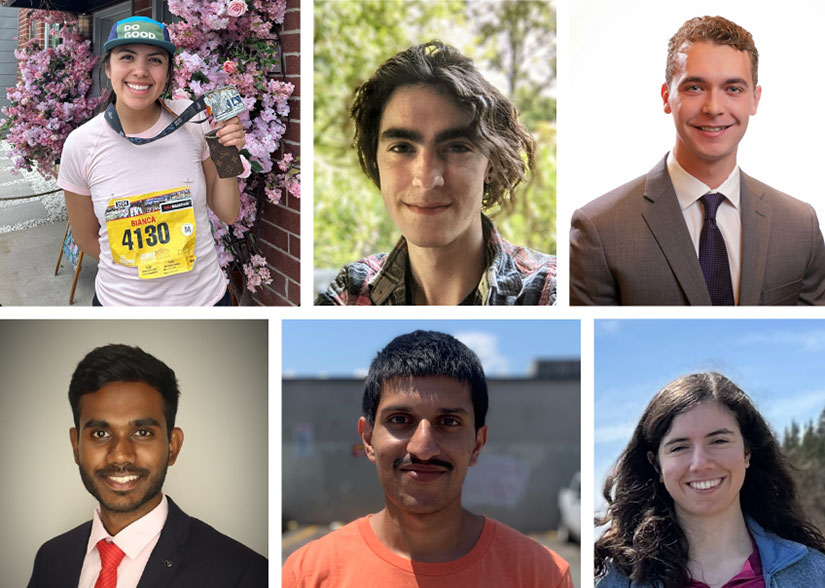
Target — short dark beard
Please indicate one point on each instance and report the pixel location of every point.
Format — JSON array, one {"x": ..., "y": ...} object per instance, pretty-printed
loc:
[{"x": 155, "y": 486}]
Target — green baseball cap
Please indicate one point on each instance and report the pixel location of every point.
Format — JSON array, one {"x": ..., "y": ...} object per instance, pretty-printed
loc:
[{"x": 139, "y": 29}]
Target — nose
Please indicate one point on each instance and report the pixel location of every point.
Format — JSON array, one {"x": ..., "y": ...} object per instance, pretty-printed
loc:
[
  {"x": 712, "y": 105},
  {"x": 700, "y": 459},
  {"x": 122, "y": 451},
  {"x": 429, "y": 171},
  {"x": 423, "y": 444}
]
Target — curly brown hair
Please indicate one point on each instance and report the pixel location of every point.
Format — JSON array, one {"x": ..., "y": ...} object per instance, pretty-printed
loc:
[
  {"x": 495, "y": 127},
  {"x": 644, "y": 540},
  {"x": 711, "y": 29}
]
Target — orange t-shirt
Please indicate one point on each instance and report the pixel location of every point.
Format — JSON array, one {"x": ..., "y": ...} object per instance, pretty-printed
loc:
[{"x": 353, "y": 556}]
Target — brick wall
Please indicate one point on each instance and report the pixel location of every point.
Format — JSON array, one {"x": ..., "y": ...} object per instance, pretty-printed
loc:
[{"x": 280, "y": 234}]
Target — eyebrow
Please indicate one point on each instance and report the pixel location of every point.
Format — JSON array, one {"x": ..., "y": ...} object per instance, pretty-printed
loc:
[
  {"x": 407, "y": 408},
  {"x": 700, "y": 79},
  {"x": 722, "y": 431},
  {"x": 125, "y": 50},
  {"x": 101, "y": 424},
  {"x": 416, "y": 137}
]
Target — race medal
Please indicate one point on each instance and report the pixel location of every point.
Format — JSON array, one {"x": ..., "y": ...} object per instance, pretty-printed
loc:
[{"x": 153, "y": 232}]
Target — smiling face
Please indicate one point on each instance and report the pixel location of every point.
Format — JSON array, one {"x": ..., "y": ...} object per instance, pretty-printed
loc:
[
  {"x": 703, "y": 459},
  {"x": 711, "y": 98},
  {"x": 431, "y": 173},
  {"x": 423, "y": 441},
  {"x": 122, "y": 448},
  {"x": 139, "y": 74}
]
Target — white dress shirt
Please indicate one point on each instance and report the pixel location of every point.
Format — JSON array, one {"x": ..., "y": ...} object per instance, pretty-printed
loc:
[
  {"x": 689, "y": 191},
  {"x": 137, "y": 542}
]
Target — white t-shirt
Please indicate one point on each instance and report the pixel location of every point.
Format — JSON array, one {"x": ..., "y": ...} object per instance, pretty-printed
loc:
[{"x": 98, "y": 162}]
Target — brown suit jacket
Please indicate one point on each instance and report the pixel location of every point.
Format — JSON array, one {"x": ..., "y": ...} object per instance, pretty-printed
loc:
[{"x": 632, "y": 246}]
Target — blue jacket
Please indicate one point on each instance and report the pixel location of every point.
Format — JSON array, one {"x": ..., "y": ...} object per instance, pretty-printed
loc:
[{"x": 785, "y": 564}]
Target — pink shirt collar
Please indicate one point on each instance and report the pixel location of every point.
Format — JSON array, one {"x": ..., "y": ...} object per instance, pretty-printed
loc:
[{"x": 133, "y": 539}]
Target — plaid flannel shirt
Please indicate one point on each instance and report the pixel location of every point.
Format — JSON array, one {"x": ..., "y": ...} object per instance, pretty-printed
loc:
[{"x": 514, "y": 276}]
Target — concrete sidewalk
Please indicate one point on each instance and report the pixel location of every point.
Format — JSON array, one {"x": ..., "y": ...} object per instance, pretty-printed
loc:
[{"x": 31, "y": 233}]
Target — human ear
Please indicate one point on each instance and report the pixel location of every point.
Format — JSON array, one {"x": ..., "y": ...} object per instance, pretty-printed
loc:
[
  {"x": 481, "y": 440},
  {"x": 666, "y": 98},
  {"x": 365, "y": 430},
  {"x": 757, "y": 94},
  {"x": 75, "y": 447},
  {"x": 747, "y": 458},
  {"x": 651, "y": 457},
  {"x": 175, "y": 443}
]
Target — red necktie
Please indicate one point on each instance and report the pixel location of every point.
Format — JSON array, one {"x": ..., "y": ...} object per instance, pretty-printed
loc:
[{"x": 110, "y": 556}]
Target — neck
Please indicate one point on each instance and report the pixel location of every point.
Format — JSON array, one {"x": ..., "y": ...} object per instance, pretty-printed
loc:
[
  {"x": 446, "y": 275},
  {"x": 442, "y": 536},
  {"x": 711, "y": 173},
  {"x": 137, "y": 121},
  {"x": 719, "y": 545},
  {"x": 114, "y": 522}
]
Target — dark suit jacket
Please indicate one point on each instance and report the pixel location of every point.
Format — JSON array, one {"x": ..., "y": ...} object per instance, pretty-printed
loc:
[
  {"x": 632, "y": 246},
  {"x": 189, "y": 554}
]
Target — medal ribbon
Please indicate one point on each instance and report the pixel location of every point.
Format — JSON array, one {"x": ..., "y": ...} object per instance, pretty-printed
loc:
[{"x": 197, "y": 106}]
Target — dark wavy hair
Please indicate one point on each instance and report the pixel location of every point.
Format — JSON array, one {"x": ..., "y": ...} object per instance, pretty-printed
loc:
[
  {"x": 715, "y": 30},
  {"x": 122, "y": 363},
  {"x": 644, "y": 540},
  {"x": 495, "y": 127},
  {"x": 426, "y": 353}
]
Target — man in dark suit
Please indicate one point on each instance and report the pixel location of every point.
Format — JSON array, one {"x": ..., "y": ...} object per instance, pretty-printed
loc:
[
  {"x": 696, "y": 230},
  {"x": 124, "y": 403}
]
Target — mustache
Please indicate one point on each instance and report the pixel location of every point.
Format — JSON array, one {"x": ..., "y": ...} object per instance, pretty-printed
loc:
[
  {"x": 127, "y": 470},
  {"x": 409, "y": 460}
]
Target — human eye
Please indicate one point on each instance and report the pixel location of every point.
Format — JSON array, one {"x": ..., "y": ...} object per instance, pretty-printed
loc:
[
  {"x": 459, "y": 148},
  {"x": 677, "y": 448},
  {"x": 720, "y": 441},
  {"x": 736, "y": 90},
  {"x": 400, "y": 148},
  {"x": 100, "y": 434},
  {"x": 450, "y": 421},
  {"x": 398, "y": 419},
  {"x": 692, "y": 88},
  {"x": 144, "y": 433}
]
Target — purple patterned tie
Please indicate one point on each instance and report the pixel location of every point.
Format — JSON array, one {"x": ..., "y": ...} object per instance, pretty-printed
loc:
[{"x": 713, "y": 255}]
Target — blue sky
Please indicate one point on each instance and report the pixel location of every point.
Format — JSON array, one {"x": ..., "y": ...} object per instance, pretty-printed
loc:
[
  {"x": 778, "y": 363},
  {"x": 325, "y": 348}
]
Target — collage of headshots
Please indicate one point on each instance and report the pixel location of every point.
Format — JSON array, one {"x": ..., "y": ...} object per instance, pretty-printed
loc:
[{"x": 603, "y": 175}]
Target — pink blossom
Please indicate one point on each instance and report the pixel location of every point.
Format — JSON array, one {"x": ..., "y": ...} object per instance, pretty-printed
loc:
[
  {"x": 236, "y": 8},
  {"x": 230, "y": 66},
  {"x": 247, "y": 168}
]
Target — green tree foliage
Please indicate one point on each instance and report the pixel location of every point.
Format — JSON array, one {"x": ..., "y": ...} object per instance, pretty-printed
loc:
[
  {"x": 806, "y": 451},
  {"x": 351, "y": 40}
]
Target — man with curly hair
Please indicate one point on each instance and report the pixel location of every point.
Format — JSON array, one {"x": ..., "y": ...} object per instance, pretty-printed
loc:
[
  {"x": 696, "y": 230},
  {"x": 442, "y": 144}
]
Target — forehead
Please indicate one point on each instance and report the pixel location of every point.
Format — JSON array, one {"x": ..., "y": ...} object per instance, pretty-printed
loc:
[
  {"x": 423, "y": 108},
  {"x": 709, "y": 60},
  {"x": 702, "y": 419},
  {"x": 141, "y": 49},
  {"x": 122, "y": 401},
  {"x": 426, "y": 393}
]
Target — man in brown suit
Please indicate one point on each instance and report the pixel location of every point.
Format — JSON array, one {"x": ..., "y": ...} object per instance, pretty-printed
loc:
[{"x": 696, "y": 230}]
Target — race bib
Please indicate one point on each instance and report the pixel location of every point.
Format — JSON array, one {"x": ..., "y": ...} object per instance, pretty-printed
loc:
[{"x": 153, "y": 232}]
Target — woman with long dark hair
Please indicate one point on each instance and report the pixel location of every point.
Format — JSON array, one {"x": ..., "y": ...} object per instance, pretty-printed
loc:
[{"x": 702, "y": 497}]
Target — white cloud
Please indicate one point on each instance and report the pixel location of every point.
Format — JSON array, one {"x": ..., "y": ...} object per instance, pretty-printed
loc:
[
  {"x": 486, "y": 347},
  {"x": 360, "y": 373},
  {"x": 608, "y": 327},
  {"x": 813, "y": 340},
  {"x": 616, "y": 433}
]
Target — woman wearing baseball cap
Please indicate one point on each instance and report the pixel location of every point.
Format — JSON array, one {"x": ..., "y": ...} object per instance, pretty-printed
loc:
[{"x": 139, "y": 182}]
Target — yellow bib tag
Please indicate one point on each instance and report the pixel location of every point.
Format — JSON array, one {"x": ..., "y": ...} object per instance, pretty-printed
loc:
[{"x": 153, "y": 232}]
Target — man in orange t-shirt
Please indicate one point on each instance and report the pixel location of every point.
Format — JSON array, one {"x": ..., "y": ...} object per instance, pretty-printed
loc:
[{"x": 424, "y": 405}]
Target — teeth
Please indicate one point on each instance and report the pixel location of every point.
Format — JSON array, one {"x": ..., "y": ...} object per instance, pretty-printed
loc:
[
  {"x": 123, "y": 479},
  {"x": 706, "y": 484},
  {"x": 712, "y": 129},
  {"x": 138, "y": 86}
]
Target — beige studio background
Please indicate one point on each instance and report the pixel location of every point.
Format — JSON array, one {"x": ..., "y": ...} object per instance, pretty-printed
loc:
[{"x": 221, "y": 474}]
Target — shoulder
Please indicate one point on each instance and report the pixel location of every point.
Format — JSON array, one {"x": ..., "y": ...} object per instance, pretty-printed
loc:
[
  {"x": 613, "y": 579},
  {"x": 211, "y": 543},
  {"x": 66, "y": 541},
  {"x": 85, "y": 133},
  {"x": 525, "y": 552},
  {"x": 778, "y": 200},
  {"x": 318, "y": 557},
  {"x": 351, "y": 285}
]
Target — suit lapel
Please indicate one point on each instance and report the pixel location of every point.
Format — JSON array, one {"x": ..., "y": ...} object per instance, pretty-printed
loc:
[
  {"x": 665, "y": 220},
  {"x": 756, "y": 229},
  {"x": 167, "y": 555}
]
